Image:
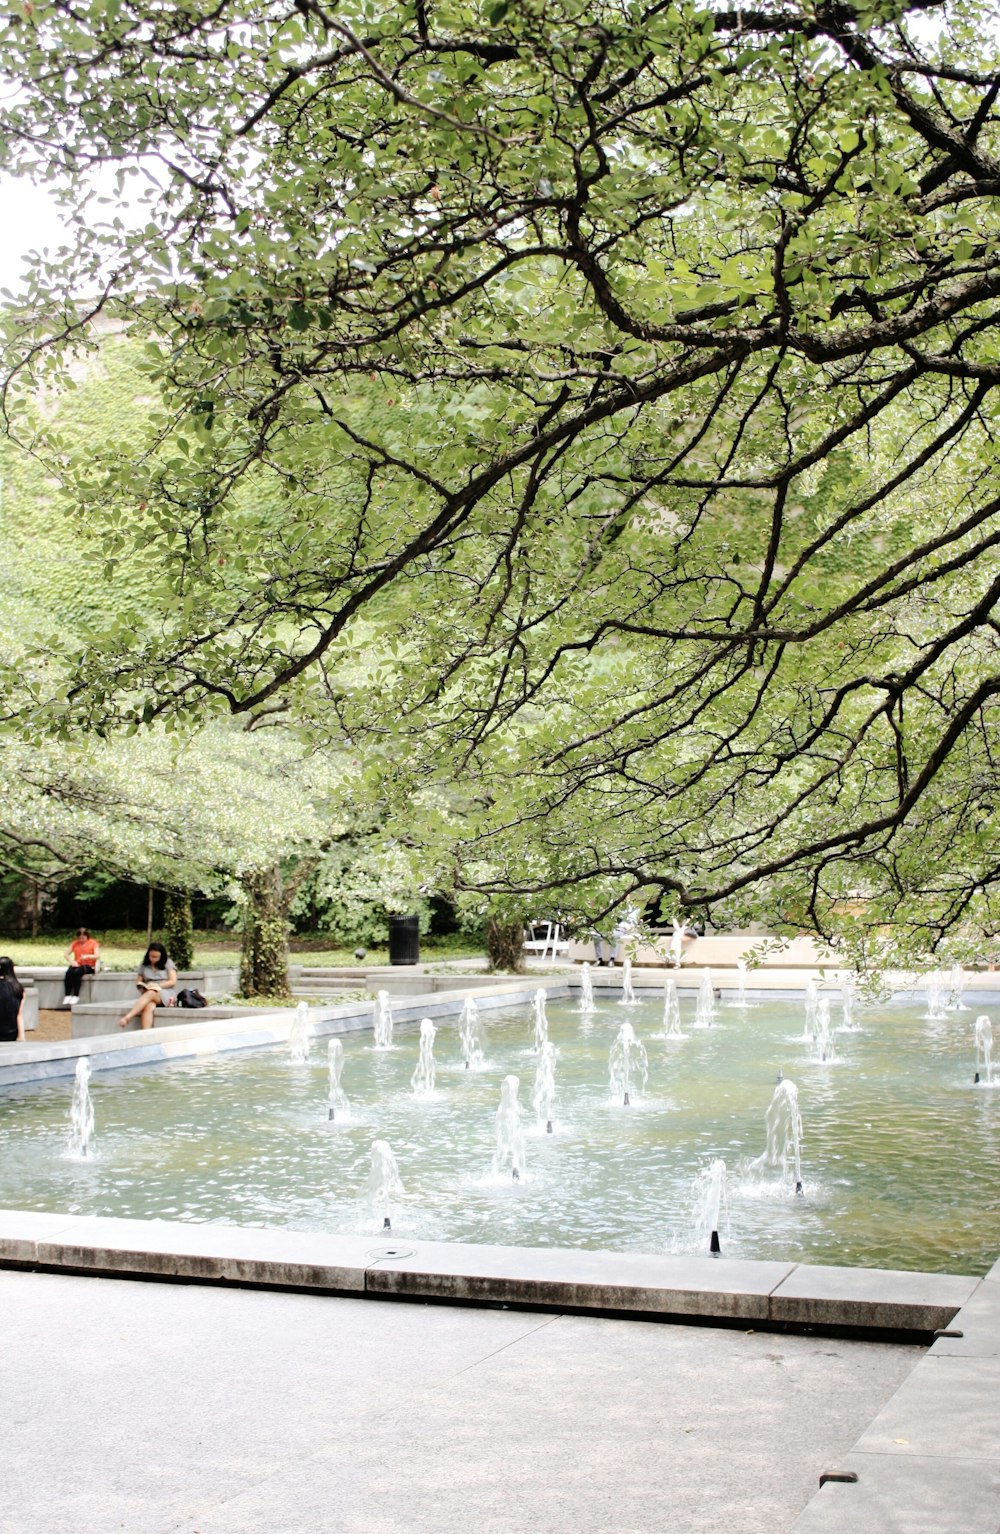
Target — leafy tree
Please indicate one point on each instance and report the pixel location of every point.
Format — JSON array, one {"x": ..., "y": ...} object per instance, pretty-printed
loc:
[
  {"x": 592, "y": 404},
  {"x": 178, "y": 928}
]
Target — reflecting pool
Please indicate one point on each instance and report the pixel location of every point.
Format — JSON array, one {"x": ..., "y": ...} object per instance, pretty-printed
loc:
[{"x": 899, "y": 1149}]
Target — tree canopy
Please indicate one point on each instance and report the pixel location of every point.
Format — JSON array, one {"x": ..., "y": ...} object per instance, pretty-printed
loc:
[{"x": 591, "y": 405}]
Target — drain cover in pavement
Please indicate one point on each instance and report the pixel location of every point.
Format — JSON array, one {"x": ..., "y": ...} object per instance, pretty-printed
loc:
[{"x": 389, "y": 1253}]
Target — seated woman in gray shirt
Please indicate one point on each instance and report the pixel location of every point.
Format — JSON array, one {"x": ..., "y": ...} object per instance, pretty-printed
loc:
[{"x": 155, "y": 981}]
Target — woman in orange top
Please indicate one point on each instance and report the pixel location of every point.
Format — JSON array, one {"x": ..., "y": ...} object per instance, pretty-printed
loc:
[{"x": 84, "y": 952}]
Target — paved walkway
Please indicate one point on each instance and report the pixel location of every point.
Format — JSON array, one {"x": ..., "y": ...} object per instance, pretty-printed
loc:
[{"x": 166, "y": 1409}]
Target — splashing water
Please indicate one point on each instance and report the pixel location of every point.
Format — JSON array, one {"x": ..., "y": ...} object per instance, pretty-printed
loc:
[
  {"x": 586, "y": 990},
  {"x": 784, "y": 1133},
  {"x": 704, "y": 1016},
  {"x": 81, "y": 1115},
  {"x": 710, "y": 1205},
  {"x": 823, "y": 1035},
  {"x": 468, "y": 1035},
  {"x": 628, "y": 996},
  {"x": 937, "y": 996},
  {"x": 541, "y": 1021},
  {"x": 383, "y": 1020},
  {"x": 740, "y": 999},
  {"x": 298, "y": 1038},
  {"x": 384, "y": 1183},
  {"x": 847, "y": 1001},
  {"x": 627, "y": 1062},
  {"x": 811, "y": 1001},
  {"x": 422, "y": 1080},
  {"x": 509, "y": 1149},
  {"x": 337, "y": 1103},
  {"x": 544, "y": 1091},
  {"x": 956, "y": 984},
  {"x": 984, "y": 1047},
  {"x": 671, "y": 1011}
]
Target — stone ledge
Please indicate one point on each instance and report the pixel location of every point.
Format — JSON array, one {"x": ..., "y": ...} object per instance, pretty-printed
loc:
[
  {"x": 387, "y": 1265},
  {"x": 252, "y": 1028},
  {"x": 815, "y": 1295},
  {"x": 581, "y": 1280}
]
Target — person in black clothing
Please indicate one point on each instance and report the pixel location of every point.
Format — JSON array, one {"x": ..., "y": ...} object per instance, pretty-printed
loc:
[{"x": 11, "y": 1004}]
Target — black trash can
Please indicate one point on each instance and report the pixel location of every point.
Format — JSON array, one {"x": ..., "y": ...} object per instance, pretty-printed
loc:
[{"x": 404, "y": 939}]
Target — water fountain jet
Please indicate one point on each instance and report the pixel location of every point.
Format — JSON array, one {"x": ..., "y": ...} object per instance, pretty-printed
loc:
[
  {"x": 628, "y": 996},
  {"x": 383, "y": 1021},
  {"x": 541, "y": 1021},
  {"x": 384, "y": 1183},
  {"x": 298, "y": 1038},
  {"x": 586, "y": 990},
  {"x": 81, "y": 1114},
  {"x": 984, "y": 1047},
  {"x": 468, "y": 1034},
  {"x": 544, "y": 1090},
  {"x": 626, "y": 1061},
  {"x": 336, "y": 1097},
  {"x": 422, "y": 1080},
  {"x": 784, "y": 1133},
  {"x": 823, "y": 1049},
  {"x": 704, "y": 1016},
  {"x": 710, "y": 1202},
  {"x": 509, "y": 1138},
  {"x": 936, "y": 998},
  {"x": 671, "y": 1011}
]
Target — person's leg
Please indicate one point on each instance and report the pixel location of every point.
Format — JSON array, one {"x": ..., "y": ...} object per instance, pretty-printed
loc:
[
  {"x": 74, "y": 979},
  {"x": 143, "y": 1009}
]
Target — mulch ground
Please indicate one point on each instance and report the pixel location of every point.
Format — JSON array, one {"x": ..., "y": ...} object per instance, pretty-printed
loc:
[{"x": 52, "y": 1024}]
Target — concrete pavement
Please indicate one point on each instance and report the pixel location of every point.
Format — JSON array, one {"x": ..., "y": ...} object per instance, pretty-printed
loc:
[{"x": 174, "y": 1409}]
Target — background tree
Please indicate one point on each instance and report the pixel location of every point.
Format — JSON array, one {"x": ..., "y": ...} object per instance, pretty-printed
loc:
[
  {"x": 178, "y": 928},
  {"x": 594, "y": 406}
]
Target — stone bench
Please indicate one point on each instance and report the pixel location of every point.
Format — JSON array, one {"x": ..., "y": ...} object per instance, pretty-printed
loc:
[
  {"x": 118, "y": 985},
  {"x": 95, "y": 1018}
]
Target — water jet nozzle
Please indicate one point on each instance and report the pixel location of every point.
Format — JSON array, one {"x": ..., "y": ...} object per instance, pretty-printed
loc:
[
  {"x": 330, "y": 1116},
  {"x": 548, "y": 1127},
  {"x": 516, "y": 1175},
  {"x": 627, "y": 1103},
  {"x": 387, "y": 1223},
  {"x": 798, "y": 1190},
  {"x": 714, "y": 1245},
  {"x": 975, "y": 1079}
]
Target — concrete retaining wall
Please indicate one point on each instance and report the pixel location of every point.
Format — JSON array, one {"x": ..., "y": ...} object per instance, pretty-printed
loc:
[{"x": 118, "y": 985}]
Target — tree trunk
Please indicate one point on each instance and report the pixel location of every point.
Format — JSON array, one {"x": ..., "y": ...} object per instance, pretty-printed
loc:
[
  {"x": 505, "y": 944},
  {"x": 149, "y": 916},
  {"x": 178, "y": 929},
  {"x": 264, "y": 960}
]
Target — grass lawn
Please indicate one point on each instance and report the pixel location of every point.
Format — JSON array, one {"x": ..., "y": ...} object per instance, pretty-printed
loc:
[{"x": 124, "y": 950}]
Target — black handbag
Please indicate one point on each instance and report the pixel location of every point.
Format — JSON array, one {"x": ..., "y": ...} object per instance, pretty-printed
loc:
[{"x": 191, "y": 999}]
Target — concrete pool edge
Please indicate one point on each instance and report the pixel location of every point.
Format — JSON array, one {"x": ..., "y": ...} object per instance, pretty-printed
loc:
[
  {"x": 194, "y": 1039},
  {"x": 705, "y": 1289}
]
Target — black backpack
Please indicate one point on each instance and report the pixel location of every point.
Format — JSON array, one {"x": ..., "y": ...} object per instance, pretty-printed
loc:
[{"x": 191, "y": 999}]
